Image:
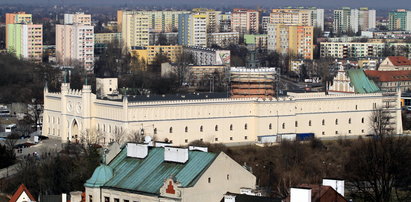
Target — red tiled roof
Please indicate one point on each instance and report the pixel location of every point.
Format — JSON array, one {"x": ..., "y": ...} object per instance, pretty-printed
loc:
[
  {"x": 18, "y": 193},
  {"x": 399, "y": 60},
  {"x": 389, "y": 76}
]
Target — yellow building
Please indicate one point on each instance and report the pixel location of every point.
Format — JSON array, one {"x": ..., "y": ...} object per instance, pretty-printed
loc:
[
  {"x": 107, "y": 38},
  {"x": 159, "y": 21},
  {"x": 135, "y": 31},
  {"x": 149, "y": 53},
  {"x": 295, "y": 40}
]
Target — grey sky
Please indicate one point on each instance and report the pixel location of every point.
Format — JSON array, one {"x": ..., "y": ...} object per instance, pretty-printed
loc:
[{"x": 379, "y": 4}]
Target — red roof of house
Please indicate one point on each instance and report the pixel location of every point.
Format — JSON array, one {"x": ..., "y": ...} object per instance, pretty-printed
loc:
[
  {"x": 389, "y": 76},
  {"x": 323, "y": 193},
  {"x": 399, "y": 60},
  {"x": 18, "y": 193}
]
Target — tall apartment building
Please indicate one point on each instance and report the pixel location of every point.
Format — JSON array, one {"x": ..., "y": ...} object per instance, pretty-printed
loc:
[
  {"x": 367, "y": 19},
  {"x": 399, "y": 20},
  {"x": 15, "y": 18},
  {"x": 25, "y": 41},
  {"x": 307, "y": 17},
  {"x": 135, "y": 29},
  {"x": 158, "y": 21},
  {"x": 75, "y": 45},
  {"x": 77, "y": 18},
  {"x": 192, "y": 30},
  {"x": 225, "y": 22},
  {"x": 213, "y": 18},
  {"x": 295, "y": 40},
  {"x": 353, "y": 20},
  {"x": 223, "y": 39},
  {"x": 245, "y": 21},
  {"x": 265, "y": 20}
]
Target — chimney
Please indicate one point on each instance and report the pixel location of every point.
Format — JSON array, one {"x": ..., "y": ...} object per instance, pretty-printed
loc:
[
  {"x": 229, "y": 198},
  {"x": 337, "y": 185},
  {"x": 63, "y": 197},
  {"x": 178, "y": 155},
  {"x": 137, "y": 150},
  {"x": 300, "y": 195}
]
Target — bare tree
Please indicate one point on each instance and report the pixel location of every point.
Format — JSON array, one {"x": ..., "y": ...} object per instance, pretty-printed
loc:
[
  {"x": 136, "y": 136},
  {"x": 91, "y": 137},
  {"x": 119, "y": 136},
  {"x": 183, "y": 67},
  {"x": 381, "y": 122}
]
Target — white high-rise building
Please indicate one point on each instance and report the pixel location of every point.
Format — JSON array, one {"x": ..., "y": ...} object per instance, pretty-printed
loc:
[
  {"x": 367, "y": 19},
  {"x": 354, "y": 20},
  {"x": 75, "y": 45},
  {"x": 192, "y": 30},
  {"x": 135, "y": 29},
  {"x": 77, "y": 18}
]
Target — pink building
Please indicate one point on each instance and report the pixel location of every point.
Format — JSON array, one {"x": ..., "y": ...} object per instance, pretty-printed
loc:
[
  {"x": 245, "y": 21},
  {"x": 75, "y": 45}
]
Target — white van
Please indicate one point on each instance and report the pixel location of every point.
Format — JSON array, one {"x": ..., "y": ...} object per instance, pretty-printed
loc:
[{"x": 10, "y": 128}]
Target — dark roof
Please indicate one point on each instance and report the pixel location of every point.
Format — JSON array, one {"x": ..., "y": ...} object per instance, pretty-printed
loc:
[
  {"x": 400, "y": 60},
  {"x": 389, "y": 76},
  {"x": 249, "y": 198},
  {"x": 191, "y": 96}
]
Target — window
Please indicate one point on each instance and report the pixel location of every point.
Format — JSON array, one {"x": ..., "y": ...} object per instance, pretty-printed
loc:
[
  {"x": 323, "y": 122},
  {"x": 231, "y": 138},
  {"x": 362, "y": 131},
  {"x": 228, "y": 177},
  {"x": 323, "y": 133},
  {"x": 356, "y": 107},
  {"x": 336, "y": 132},
  {"x": 349, "y": 121},
  {"x": 116, "y": 200},
  {"x": 245, "y": 137},
  {"x": 296, "y": 123},
  {"x": 309, "y": 123},
  {"x": 201, "y": 128},
  {"x": 245, "y": 127},
  {"x": 106, "y": 199},
  {"x": 155, "y": 131},
  {"x": 90, "y": 198},
  {"x": 231, "y": 127},
  {"x": 270, "y": 126},
  {"x": 186, "y": 129},
  {"x": 216, "y": 128},
  {"x": 362, "y": 120},
  {"x": 186, "y": 140},
  {"x": 216, "y": 139},
  {"x": 349, "y": 131},
  {"x": 126, "y": 200},
  {"x": 336, "y": 121},
  {"x": 171, "y": 130},
  {"x": 283, "y": 125},
  {"x": 209, "y": 180}
]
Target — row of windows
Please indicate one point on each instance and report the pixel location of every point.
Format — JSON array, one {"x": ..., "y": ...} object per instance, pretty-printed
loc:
[
  {"x": 202, "y": 128},
  {"x": 310, "y": 123}
]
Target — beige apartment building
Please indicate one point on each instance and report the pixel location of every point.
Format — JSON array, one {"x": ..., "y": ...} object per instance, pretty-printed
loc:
[
  {"x": 135, "y": 29},
  {"x": 307, "y": 17},
  {"x": 77, "y": 18},
  {"x": 351, "y": 49},
  {"x": 213, "y": 18},
  {"x": 25, "y": 41},
  {"x": 294, "y": 40},
  {"x": 245, "y": 21},
  {"x": 211, "y": 117}
]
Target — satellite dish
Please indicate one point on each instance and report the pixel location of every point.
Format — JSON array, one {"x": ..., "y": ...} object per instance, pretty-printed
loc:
[{"x": 147, "y": 139}]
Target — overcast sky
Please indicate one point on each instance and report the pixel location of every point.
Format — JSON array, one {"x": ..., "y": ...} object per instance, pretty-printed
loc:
[{"x": 378, "y": 4}]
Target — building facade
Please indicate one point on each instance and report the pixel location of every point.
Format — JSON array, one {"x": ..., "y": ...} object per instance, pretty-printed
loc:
[
  {"x": 399, "y": 20},
  {"x": 134, "y": 29},
  {"x": 209, "y": 56},
  {"x": 245, "y": 21},
  {"x": 223, "y": 39},
  {"x": 351, "y": 49},
  {"x": 17, "y": 18},
  {"x": 75, "y": 45},
  {"x": 307, "y": 17},
  {"x": 77, "y": 18},
  {"x": 180, "y": 120},
  {"x": 293, "y": 40},
  {"x": 149, "y": 53},
  {"x": 192, "y": 30},
  {"x": 25, "y": 41},
  {"x": 107, "y": 38},
  {"x": 367, "y": 19}
]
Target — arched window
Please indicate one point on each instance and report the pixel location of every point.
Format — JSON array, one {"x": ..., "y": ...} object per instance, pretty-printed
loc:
[
  {"x": 231, "y": 127},
  {"x": 245, "y": 127},
  {"x": 309, "y": 123},
  {"x": 270, "y": 126},
  {"x": 216, "y": 128},
  {"x": 323, "y": 122},
  {"x": 283, "y": 125},
  {"x": 336, "y": 121},
  {"x": 349, "y": 121},
  {"x": 201, "y": 128},
  {"x": 186, "y": 129},
  {"x": 171, "y": 130},
  {"x": 362, "y": 120},
  {"x": 155, "y": 131}
]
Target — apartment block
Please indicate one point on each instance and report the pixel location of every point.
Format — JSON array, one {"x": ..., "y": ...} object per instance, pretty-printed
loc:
[
  {"x": 213, "y": 18},
  {"x": 295, "y": 40},
  {"x": 258, "y": 41},
  {"x": 223, "y": 39},
  {"x": 265, "y": 20},
  {"x": 225, "y": 22},
  {"x": 107, "y": 38},
  {"x": 158, "y": 21},
  {"x": 306, "y": 16},
  {"x": 135, "y": 29},
  {"x": 170, "y": 37},
  {"x": 351, "y": 49},
  {"x": 399, "y": 20},
  {"x": 245, "y": 21},
  {"x": 192, "y": 30},
  {"x": 17, "y": 18},
  {"x": 149, "y": 53},
  {"x": 25, "y": 41},
  {"x": 353, "y": 20},
  {"x": 75, "y": 45},
  {"x": 77, "y": 18},
  {"x": 209, "y": 56},
  {"x": 367, "y": 19}
]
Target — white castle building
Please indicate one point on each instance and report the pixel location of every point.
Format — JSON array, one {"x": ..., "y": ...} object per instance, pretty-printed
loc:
[{"x": 210, "y": 117}]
